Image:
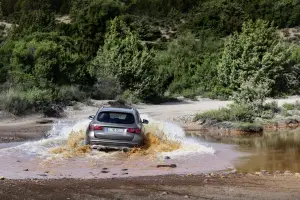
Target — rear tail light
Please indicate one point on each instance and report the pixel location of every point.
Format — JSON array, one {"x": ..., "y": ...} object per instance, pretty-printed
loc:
[
  {"x": 134, "y": 130},
  {"x": 95, "y": 127}
]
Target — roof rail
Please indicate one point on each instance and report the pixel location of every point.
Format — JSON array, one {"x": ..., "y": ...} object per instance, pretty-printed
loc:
[{"x": 117, "y": 105}]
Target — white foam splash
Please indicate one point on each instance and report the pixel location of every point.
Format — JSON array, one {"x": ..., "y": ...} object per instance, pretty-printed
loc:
[
  {"x": 57, "y": 136},
  {"x": 173, "y": 132}
]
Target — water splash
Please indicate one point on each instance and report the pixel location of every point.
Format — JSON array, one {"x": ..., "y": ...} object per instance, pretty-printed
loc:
[
  {"x": 74, "y": 146},
  {"x": 57, "y": 136},
  {"x": 171, "y": 132},
  {"x": 163, "y": 138}
]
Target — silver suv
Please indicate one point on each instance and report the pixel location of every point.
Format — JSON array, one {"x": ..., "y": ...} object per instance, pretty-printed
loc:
[{"x": 115, "y": 128}]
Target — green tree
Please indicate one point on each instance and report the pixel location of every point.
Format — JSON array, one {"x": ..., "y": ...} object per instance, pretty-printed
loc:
[
  {"x": 33, "y": 17},
  {"x": 124, "y": 57},
  {"x": 221, "y": 16},
  {"x": 191, "y": 63},
  {"x": 1, "y": 12},
  {"x": 91, "y": 20},
  {"x": 6, "y": 49},
  {"x": 257, "y": 52}
]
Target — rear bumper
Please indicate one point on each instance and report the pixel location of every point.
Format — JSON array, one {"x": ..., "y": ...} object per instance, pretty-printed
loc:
[
  {"x": 100, "y": 143},
  {"x": 111, "y": 144}
]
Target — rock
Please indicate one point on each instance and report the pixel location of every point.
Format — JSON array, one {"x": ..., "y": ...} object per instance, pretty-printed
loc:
[
  {"x": 44, "y": 121},
  {"x": 205, "y": 180},
  {"x": 201, "y": 121},
  {"x": 291, "y": 121},
  {"x": 42, "y": 175},
  {"x": 124, "y": 170},
  {"x": 264, "y": 171},
  {"x": 46, "y": 172},
  {"x": 212, "y": 174},
  {"x": 104, "y": 172},
  {"x": 26, "y": 170},
  {"x": 53, "y": 111},
  {"x": 2, "y": 178},
  {"x": 104, "y": 168},
  {"x": 164, "y": 193},
  {"x": 18, "y": 161},
  {"x": 258, "y": 173},
  {"x": 294, "y": 112},
  {"x": 167, "y": 158},
  {"x": 186, "y": 197},
  {"x": 297, "y": 174},
  {"x": 287, "y": 173},
  {"x": 125, "y": 174},
  {"x": 171, "y": 166}
]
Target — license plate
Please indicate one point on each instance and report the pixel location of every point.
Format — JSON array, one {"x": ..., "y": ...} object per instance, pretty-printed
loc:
[{"x": 114, "y": 130}]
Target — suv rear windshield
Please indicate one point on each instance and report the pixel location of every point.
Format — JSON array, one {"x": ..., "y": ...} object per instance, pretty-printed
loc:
[{"x": 116, "y": 118}]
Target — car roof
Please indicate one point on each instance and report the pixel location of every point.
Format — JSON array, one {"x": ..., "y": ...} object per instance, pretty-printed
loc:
[{"x": 117, "y": 109}]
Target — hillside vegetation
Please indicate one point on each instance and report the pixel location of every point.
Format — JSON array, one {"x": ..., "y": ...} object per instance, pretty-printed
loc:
[{"x": 145, "y": 50}]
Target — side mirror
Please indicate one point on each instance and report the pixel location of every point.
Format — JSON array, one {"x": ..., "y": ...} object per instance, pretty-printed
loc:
[
  {"x": 145, "y": 121},
  {"x": 91, "y": 117}
]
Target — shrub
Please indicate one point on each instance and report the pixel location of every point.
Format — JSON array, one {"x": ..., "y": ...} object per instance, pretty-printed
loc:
[
  {"x": 249, "y": 127},
  {"x": 252, "y": 93},
  {"x": 273, "y": 106},
  {"x": 20, "y": 102},
  {"x": 235, "y": 113},
  {"x": 129, "y": 97},
  {"x": 288, "y": 106},
  {"x": 291, "y": 106},
  {"x": 66, "y": 94}
]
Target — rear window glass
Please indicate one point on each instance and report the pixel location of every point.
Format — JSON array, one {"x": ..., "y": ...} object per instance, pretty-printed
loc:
[{"x": 115, "y": 117}]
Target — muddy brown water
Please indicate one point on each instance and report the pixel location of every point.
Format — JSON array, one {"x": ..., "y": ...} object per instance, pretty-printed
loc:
[
  {"x": 273, "y": 151},
  {"x": 61, "y": 155}
]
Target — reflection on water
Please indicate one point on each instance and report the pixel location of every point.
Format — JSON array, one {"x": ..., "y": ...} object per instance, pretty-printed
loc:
[{"x": 274, "y": 151}]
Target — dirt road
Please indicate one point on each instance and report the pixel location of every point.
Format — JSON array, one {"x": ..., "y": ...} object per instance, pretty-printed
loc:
[{"x": 233, "y": 187}]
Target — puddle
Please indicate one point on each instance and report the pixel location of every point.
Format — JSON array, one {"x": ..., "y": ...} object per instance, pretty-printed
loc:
[
  {"x": 62, "y": 155},
  {"x": 274, "y": 151},
  {"x": 279, "y": 151}
]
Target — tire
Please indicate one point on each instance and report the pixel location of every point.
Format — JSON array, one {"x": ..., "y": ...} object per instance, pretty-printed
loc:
[{"x": 87, "y": 141}]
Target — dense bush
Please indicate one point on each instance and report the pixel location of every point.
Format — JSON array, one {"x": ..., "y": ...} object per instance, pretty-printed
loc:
[{"x": 46, "y": 63}]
